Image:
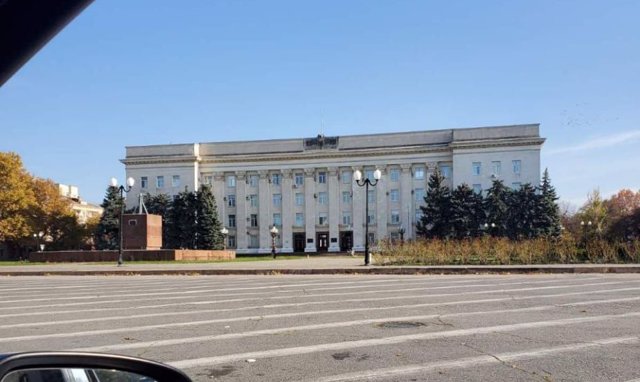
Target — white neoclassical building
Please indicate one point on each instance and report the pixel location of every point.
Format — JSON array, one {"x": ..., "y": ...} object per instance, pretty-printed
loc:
[{"x": 305, "y": 186}]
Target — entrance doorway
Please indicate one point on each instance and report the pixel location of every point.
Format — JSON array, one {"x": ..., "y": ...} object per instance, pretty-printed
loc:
[
  {"x": 346, "y": 241},
  {"x": 298, "y": 242},
  {"x": 323, "y": 241}
]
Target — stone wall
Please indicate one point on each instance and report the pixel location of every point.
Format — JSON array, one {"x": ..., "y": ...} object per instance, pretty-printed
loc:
[{"x": 130, "y": 255}]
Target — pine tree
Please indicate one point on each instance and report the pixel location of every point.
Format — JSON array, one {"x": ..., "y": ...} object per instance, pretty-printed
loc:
[
  {"x": 496, "y": 206},
  {"x": 523, "y": 214},
  {"x": 467, "y": 213},
  {"x": 208, "y": 228},
  {"x": 107, "y": 235},
  {"x": 435, "y": 221},
  {"x": 548, "y": 210},
  {"x": 182, "y": 219}
]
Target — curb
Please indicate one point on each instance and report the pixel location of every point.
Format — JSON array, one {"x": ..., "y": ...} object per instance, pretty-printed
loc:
[{"x": 338, "y": 271}]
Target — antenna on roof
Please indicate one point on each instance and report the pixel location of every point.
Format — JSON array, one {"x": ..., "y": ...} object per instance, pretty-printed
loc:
[{"x": 141, "y": 206}]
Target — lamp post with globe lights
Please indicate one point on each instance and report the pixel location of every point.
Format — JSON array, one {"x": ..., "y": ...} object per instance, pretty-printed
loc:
[
  {"x": 274, "y": 233},
  {"x": 366, "y": 182},
  {"x": 123, "y": 190},
  {"x": 224, "y": 231}
]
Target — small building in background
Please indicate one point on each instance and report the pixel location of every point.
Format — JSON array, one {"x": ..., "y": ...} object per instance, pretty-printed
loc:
[{"x": 83, "y": 209}]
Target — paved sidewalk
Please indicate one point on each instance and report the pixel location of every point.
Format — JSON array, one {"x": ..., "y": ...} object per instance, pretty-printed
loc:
[{"x": 310, "y": 265}]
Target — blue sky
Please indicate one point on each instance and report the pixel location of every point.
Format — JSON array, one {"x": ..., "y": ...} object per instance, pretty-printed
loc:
[{"x": 152, "y": 72}]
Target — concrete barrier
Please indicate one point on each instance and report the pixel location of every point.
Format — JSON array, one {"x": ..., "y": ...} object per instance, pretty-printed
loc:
[{"x": 130, "y": 255}]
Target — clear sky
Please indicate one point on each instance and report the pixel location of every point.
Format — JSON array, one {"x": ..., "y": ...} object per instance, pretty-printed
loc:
[{"x": 153, "y": 72}]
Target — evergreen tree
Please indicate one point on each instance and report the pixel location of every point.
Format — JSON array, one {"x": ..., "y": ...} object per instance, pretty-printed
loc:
[
  {"x": 160, "y": 205},
  {"x": 496, "y": 206},
  {"x": 107, "y": 235},
  {"x": 208, "y": 228},
  {"x": 182, "y": 221},
  {"x": 548, "y": 210},
  {"x": 435, "y": 221},
  {"x": 467, "y": 213},
  {"x": 523, "y": 213}
]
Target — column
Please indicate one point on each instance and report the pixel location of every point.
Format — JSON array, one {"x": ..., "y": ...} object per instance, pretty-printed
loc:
[
  {"x": 358, "y": 215},
  {"x": 310, "y": 210},
  {"x": 264, "y": 212},
  {"x": 218, "y": 188},
  {"x": 406, "y": 201},
  {"x": 381, "y": 205},
  {"x": 334, "y": 209},
  {"x": 288, "y": 217},
  {"x": 242, "y": 239}
]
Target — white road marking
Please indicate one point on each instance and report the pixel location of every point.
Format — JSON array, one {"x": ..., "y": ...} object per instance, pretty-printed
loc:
[{"x": 390, "y": 372}]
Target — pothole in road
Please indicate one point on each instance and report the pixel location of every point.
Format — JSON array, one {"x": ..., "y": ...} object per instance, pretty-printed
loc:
[{"x": 400, "y": 324}]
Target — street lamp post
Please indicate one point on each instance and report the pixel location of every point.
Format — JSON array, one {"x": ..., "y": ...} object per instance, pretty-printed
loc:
[
  {"x": 123, "y": 190},
  {"x": 274, "y": 233},
  {"x": 37, "y": 237},
  {"x": 401, "y": 232},
  {"x": 366, "y": 182},
  {"x": 224, "y": 231}
]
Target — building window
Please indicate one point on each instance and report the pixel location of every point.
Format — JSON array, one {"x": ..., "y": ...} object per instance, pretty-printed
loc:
[
  {"x": 208, "y": 179},
  {"x": 299, "y": 179},
  {"x": 253, "y": 200},
  {"x": 395, "y": 217},
  {"x": 368, "y": 174},
  {"x": 231, "y": 181},
  {"x": 254, "y": 180},
  {"x": 175, "y": 181},
  {"x": 322, "y": 177},
  {"x": 160, "y": 181},
  {"x": 231, "y": 200},
  {"x": 394, "y": 174},
  {"x": 394, "y": 195},
  {"x": 322, "y": 219},
  {"x": 475, "y": 168},
  {"x": 346, "y": 218},
  {"x": 371, "y": 196},
  {"x": 371, "y": 218},
  {"x": 299, "y": 219},
  {"x": 419, "y": 195},
  {"x": 346, "y": 176},
  {"x": 516, "y": 185},
  {"x": 231, "y": 241},
  {"x": 418, "y": 216},
  {"x": 254, "y": 220},
  {"x": 277, "y": 220},
  {"x": 143, "y": 182},
  {"x": 275, "y": 179},
  {"x": 477, "y": 188},
  {"x": 517, "y": 166},
  {"x": 277, "y": 200},
  {"x": 346, "y": 197},
  {"x": 253, "y": 241},
  {"x": 323, "y": 198},
  {"x": 418, "y": 173},
  {"x": 232, "y": 221},
  {"x": 496, "y": 167},
  {"x": 445, "y": 171},
  {"x": 372, "y": 238},
  {"x": 299, "y": 199}
]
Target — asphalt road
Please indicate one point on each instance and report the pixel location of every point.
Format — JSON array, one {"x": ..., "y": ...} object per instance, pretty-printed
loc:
[{"x": 340, "y": 328}]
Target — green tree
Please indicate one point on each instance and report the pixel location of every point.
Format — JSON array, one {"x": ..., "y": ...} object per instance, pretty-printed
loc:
[
  {"x": 467, "y": 212},
  {"x": 548, "y": 212},
  {"x": 208, "y": 225},
  {"x": 183, "y": 221},
  {"x": 594, "y": 210},
  {"x": 161, "y": 205},
  {"x": 522, "y": 219},
  {"x": 435, "y": 221},
  {"x": 107, "y": 234},
  {"x": 496, "y": 206}
]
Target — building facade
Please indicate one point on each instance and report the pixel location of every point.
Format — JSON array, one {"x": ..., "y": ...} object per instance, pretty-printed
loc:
[{"x": 305, "y": 186}]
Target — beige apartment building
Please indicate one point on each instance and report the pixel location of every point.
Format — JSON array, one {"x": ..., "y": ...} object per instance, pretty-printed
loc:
[{"x": 305, "y": 186}]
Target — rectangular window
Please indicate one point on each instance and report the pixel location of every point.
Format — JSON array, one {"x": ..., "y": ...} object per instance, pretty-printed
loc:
[
  {"x": 253, "y": 241},
  {"x": 231, "y": 181},
  {"x": 143, "y": 182},
  {"x": 394, "y": 174},
  {"x": 299, "y": 179},
  {"x": 476, "y": 167},
  {"x": 299, "y": 219},
  {"x": 160, "y": 181},
  {"x": 371, "y": 218},
  {"x": 208, "y": 179},
  {"x": 346, "y": 197},
  {"x": 275, "y": 179},
  {"x": 516, "y": 185},
  {"x": 322, "y": 177},
  {"x": 418, "y": 216},
  {"x": 445, "y": 171},
  {"x": 418, "y": 173},
  {"x": 253, "y": 200},
  {"x": 346, "y": 218},
  {"x": 372, "y": 238},
  {"x": 277, "y": 220},
  {"x": 517, "y": 166},
  {"x": 322, "y": 219},
  {"x": 346, "y": 177},
  {"x": 496, "y": 168},
  {"x": 395, "y": 217},
  {"x": 232, "y": 221},
  {"x": 299, "y": 199},
  {"x": 175, "y": 181},
  {"x": 254, "y": 220},
  {"x": 477, "y": 188},
  {"x": 323, "y": 198},
  {"x": 394, "y": 195},
  {"x": 231, "y": 241},
  {"x": 277, "y": 200},
  {"x": 368, "y": 174},
  {"x": 231, "y": 200},
  {"x": 419, "y": 195},
  {"x": 254, "y": 180},
  {"x": 371, "y": 196}
]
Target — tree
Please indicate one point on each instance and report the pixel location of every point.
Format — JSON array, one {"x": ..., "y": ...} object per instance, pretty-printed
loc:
[
  {"x": 161, "y": 205},
  {"x": 622, "y": 209},
  {"x": 548, "y": 219},
  {"x": 52, "y": 214},
  {"x": 107, "y": 234},
  {"x": 467, "y": 212},
  {"x": 183, "y": 223},
  {"x": 522, "y": 219},
  {"x": 435, "y": 221},
  {"x": 496, "y": 206},
  {"x": 208, "y": 225},
  {"x": 595, "y": 211},
  {"x": 16, "y": 198}
]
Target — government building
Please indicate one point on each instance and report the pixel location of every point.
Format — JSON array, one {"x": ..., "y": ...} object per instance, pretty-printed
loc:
[{"x": 305, "y": 186}]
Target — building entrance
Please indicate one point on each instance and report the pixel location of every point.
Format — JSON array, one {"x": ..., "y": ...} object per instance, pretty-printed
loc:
[
  {"x": 346, "y": 241},
  {"x": 322, "y": 241},
  {"x": 298, "y": 242}
]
